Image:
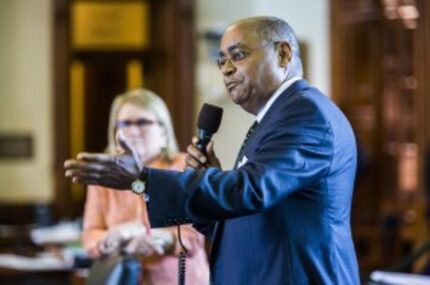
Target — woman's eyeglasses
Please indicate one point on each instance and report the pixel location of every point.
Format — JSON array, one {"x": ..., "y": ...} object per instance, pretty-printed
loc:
[{"x": 121, "y": 124}]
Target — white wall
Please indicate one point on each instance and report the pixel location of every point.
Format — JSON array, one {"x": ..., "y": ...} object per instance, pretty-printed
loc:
[
  {"x": 25, "y": 97},
  {"x": 310, "y": 20}
]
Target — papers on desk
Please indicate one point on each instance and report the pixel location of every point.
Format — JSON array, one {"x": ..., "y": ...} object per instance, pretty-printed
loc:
[
  {"x": 44, "y": 262},
  {"x": 396, "y": 278},
  {"x": 62, "y": 233}
]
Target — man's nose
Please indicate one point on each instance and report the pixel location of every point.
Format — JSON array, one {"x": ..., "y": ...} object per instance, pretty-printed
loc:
[{"x": 228, "y": 68}]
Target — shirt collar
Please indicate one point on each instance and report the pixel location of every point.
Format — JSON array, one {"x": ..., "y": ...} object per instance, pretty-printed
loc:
[{"x": 277, "y": 93}]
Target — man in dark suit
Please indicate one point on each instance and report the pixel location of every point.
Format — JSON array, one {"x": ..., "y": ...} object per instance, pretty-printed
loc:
[{"x": 282, "y": 215}]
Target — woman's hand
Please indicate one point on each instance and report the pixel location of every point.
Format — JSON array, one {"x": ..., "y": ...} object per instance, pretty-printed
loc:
[
  {"x": 120, "y": 235},
  {"x": 158, "y": 241}
]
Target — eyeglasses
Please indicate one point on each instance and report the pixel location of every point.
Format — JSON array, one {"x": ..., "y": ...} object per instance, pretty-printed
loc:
[
  {"x": 142, "y": 122},
  {"x": 238, "y": 54}
]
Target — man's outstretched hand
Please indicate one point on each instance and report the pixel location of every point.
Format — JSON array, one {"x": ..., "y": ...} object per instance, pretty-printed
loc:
[{"x": 113, "y": 171}]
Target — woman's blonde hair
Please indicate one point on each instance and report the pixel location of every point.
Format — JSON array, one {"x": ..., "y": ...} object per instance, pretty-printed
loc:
[{"x": 149, "y": 101}]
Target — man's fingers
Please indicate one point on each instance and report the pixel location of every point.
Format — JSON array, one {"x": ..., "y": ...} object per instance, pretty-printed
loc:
[
  {"x": 195, "y": 158},
  {"x": 123, "y": 142},
  {"x": 68, "y": 163},
  {"x": 84, "y": 178},
  {"x": 191, "y": 162},
  {"x": 88, "y": 162},
  {"x": 212, "y": 158},
  {"x": 84, "y": 166},
  {"x": 94, "y": 157},
  {"x": 83, "y": 174},
  {"x": 128, "y": 148},
  {"x": 194, "y": 152},
  {"x": 210, "y": 149}
]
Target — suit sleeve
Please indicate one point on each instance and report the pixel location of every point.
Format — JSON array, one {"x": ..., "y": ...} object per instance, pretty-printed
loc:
[{"x": 295, "y": 154}]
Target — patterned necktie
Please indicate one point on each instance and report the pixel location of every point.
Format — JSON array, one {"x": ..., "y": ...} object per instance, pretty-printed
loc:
[{"x": 248, "y": 135}]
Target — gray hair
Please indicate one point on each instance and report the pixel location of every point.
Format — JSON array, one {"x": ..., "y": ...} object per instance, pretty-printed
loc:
[
  {"x": 272, "y": 29},
  {"x": 147, "y": 100}
]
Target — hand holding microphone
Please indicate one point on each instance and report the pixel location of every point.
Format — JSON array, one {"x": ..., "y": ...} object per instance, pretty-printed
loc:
[{"x": 200, "y": 154}]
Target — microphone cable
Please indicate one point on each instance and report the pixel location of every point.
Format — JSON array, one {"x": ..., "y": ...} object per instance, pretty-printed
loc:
[{"x": 182, "y": 259}]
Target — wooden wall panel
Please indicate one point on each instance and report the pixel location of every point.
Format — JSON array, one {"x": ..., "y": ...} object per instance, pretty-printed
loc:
[{"x": 379, "y": 57}]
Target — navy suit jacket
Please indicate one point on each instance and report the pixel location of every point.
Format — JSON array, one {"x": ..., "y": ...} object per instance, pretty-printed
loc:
[{"x": 284, "y": 216}]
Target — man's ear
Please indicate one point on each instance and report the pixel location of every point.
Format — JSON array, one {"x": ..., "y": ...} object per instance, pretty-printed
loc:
[{"x": 284, "y": 53}]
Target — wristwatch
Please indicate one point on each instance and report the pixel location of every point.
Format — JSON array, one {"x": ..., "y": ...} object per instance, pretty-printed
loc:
[{"x": 139, "y": 185}]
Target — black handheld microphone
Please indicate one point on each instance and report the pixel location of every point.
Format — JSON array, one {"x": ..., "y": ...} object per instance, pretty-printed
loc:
[{"x": 208, "y": 123}]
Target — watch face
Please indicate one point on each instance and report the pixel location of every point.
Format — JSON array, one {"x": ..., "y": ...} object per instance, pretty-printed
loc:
[{"x": 138, "y": 186}]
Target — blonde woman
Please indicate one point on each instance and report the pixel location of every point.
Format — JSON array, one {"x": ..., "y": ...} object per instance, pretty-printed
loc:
[{"x": 115, "y": 219}]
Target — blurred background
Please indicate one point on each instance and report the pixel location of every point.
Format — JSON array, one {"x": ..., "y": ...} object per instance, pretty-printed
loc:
[{"x": 63, "y": 61}]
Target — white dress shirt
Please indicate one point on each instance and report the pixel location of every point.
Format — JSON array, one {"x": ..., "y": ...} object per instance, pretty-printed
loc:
[{"x": 277, "y": 93}]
